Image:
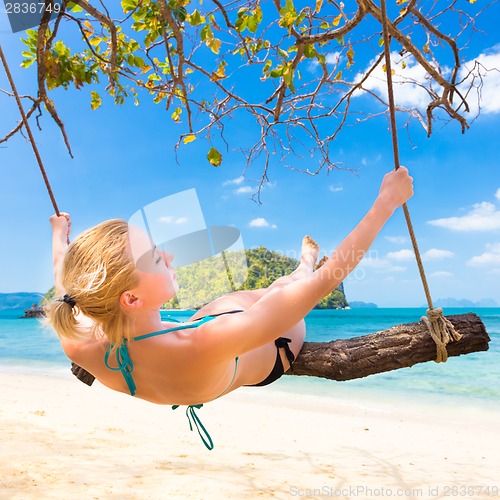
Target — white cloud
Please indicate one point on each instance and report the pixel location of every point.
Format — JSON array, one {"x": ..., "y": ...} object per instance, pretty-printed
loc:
[
  {"x": 397, "y": 240},
  {"x": 410, "y": 82},
  {"x": 483, "y": 217},
  {"x": 232, "y": 182},
  {"x": 442, "y": 274},
  {"x": 407, "y": 82},
  {"x": 261, "y": 222},
  {"x": 170, "y": 219},
  {"x": 486, "y": 78},
  {"x": 401, "y": 255},
  {"x": 437, "y": 254},
  {"x": 243, "y": 190},
  {"x": 333, "y": 57},
  {"x": 489, "y": 258},
  {"x": 497, "y": 194},
  {"x": 335, "y": 189},
  {"x": 380, "y": 265},
  {"x": 407, "y": 255}
]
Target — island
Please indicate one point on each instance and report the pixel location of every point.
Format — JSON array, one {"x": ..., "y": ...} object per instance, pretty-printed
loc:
[{"x": 264, "y": 267}]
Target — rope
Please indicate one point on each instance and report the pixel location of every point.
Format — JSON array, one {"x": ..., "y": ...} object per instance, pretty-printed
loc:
[
  {"x": 442, "y": 332},
  {"x": 440, "y": 328},
  {"x": 28, "y": 130}
]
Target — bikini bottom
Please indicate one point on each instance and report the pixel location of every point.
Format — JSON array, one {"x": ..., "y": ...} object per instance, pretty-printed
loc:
[{"x": 278, "y": 368}]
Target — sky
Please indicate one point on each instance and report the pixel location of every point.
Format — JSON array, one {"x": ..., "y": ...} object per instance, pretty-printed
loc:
[{"x": 124, "y": 160}]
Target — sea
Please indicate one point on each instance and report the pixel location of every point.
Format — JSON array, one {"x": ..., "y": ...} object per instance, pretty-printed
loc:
[{"x": 471, "y": 381}]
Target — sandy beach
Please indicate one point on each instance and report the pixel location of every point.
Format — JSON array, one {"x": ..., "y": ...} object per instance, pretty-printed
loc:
[{"x": 64, "y": 440}]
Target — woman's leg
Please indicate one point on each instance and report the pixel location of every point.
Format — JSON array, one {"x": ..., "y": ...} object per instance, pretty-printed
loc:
[
  {"x": 308, "y": 257},
  {"x": 244, "y": 299}
]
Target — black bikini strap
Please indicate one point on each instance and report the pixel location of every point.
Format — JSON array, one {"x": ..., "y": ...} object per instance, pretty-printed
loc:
[{"x": 283, "y": 342}]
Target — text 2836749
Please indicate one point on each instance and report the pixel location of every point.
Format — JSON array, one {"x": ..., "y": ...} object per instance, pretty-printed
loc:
[{"x": 31, "y": 7}]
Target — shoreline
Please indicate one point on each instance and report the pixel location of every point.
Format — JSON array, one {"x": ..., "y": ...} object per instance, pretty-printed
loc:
[
  {"x": 350, "y": 392},
  {"x": 65, "y": 440}
]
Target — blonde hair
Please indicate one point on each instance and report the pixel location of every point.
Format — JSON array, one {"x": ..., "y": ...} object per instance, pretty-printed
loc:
[{"x": 97, "y": 268}]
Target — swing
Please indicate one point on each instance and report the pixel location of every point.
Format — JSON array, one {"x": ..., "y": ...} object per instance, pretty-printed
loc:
[{"x": 435, "y": 337}]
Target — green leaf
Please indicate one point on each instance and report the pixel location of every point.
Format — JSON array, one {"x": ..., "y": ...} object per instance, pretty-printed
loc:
[
  {"x": 214, "y": 157},
  {"x": 96, "y": 100},
  {"x": 321, "y": 58},
  {"x": 74, "y": 7},
  {"x": 241, "y": 23},
  {"x": 252, "y": 24},
  {"x": 27, "y": 63},
  {"x": 128, "y": 5},
  {"x": 309, "y": 51},
  {"x": 301, "y": 17},
  {"x": 277, "y": 72},
  {"x": 180, "y": 14},
  {"x": 206, "y": 33},
  {"x": 140, "y": 14},
  {"x": 195, "y": 18},
  {"x": 176, "y": 115},
  {"x": 139, "y": 62},
  {"x": 257, "y": 13},
  {"x": 283, "y": 53},
  {"x": 288, "y": 77}
]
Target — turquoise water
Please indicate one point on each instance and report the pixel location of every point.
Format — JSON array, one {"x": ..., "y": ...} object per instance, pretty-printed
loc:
[{"x": 475, "y": 378}]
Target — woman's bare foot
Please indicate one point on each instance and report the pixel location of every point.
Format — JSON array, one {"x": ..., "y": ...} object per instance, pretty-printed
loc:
[{"x": 310, "y": 252}]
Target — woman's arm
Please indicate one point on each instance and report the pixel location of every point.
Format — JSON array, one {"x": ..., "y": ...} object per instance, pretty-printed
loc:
[
  {"x": 282, "y": 308},
  {"x": 61, "y": 228}
]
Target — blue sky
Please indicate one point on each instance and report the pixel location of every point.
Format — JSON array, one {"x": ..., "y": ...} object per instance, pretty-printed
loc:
[{"x": 124, "y": 160}]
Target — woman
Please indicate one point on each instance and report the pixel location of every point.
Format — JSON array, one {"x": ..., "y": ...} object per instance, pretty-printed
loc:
[{"x": 109, "y": 321}]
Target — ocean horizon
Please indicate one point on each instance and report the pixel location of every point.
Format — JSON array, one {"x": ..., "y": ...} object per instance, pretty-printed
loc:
[{"x": 471, "y": 380}]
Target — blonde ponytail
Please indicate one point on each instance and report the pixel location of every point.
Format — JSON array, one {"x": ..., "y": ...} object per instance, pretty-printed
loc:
[{"x": 61, "y": 316}]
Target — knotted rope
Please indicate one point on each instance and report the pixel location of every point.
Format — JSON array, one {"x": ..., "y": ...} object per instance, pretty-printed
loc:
[
  {"x": 442, "y": 332},
  {"x": 441, "y": 329}
]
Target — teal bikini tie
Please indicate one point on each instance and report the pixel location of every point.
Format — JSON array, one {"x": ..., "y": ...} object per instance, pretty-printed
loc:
[
  {"x": 124, "y": 365},
  {"x": 193, "y": 419}
]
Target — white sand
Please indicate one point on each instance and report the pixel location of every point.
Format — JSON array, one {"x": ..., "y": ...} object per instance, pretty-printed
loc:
[{"x": 64, "y": 440}]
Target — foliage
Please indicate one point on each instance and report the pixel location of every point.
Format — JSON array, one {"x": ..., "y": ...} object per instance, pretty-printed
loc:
[
  {"x": 51, "y": 293},
  {"x": 289, "y": 65}
]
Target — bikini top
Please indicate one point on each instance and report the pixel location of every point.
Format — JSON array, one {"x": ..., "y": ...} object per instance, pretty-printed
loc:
[{"x": 126, "y": 367}]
